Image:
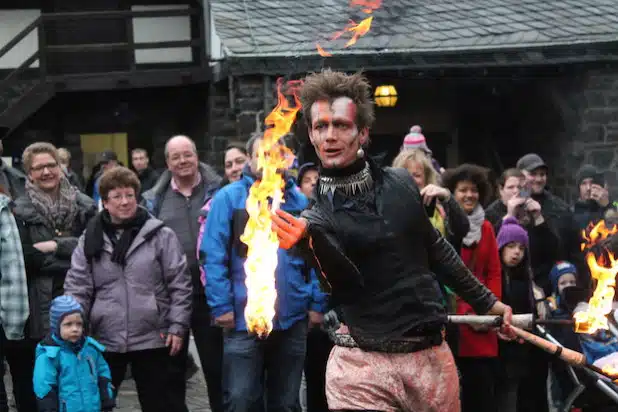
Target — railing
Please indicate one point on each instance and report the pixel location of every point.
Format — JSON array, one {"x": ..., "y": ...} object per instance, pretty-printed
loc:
[{"x": 130, "y": 46}]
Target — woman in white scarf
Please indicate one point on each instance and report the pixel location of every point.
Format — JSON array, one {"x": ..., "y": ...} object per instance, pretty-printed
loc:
[{"x": 477, "y": 355}]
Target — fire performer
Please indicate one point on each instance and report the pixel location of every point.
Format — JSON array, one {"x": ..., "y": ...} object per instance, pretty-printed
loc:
[{"x": 380, "y": 256}]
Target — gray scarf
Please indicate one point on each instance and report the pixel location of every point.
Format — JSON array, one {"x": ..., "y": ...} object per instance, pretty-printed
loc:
[
  {"x": 476, "y": 218},
  {"x": 60, "y": 213}
]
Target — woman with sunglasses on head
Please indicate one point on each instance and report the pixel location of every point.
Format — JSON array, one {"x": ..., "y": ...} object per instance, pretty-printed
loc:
[{"x": 51, "y": 215}]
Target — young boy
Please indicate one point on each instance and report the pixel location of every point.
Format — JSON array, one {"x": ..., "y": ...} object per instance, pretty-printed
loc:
[{"x": 70, "y": 374}]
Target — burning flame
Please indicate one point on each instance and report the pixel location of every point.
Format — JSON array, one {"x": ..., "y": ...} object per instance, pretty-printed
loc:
[
  {"x": 604, "y": 269},
  {"x": 368, "y": 5},
  {"x": 262, "y": 242},
  {"x": 357, "y": 30},
  {"x": 321, "y": 51},
  {"x": 612, "y": 371}
]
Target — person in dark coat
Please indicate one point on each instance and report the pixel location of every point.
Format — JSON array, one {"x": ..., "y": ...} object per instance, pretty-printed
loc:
[
  {"x": 520, "y": 292},
  {"x": 377, "y": 251},
  {"x": 515, "y": 201},
  {"x": 11, "y": 179},
  {"x": 65, "y": 161},
  {"x": 51, "y": 216},
  {"x": 141, "y": 164},
  {"x": 594, "y": 203},
  {"x": 556, "y": 212}
]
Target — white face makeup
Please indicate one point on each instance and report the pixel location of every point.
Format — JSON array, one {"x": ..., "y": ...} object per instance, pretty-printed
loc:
[{"x": 334, "y": 133}]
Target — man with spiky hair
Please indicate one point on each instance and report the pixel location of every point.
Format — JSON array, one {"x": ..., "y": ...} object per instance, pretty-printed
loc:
[{"x": 380, "y": 257}]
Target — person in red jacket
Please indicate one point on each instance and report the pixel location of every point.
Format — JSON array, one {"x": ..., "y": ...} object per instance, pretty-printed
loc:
[{"x": 478, "y": 346}]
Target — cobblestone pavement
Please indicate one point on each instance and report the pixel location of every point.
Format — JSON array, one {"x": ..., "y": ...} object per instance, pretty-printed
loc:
[{"x": 197, "y": 397}]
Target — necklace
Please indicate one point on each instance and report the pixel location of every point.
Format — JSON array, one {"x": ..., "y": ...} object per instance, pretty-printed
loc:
[{"x": 359, "y": 182}]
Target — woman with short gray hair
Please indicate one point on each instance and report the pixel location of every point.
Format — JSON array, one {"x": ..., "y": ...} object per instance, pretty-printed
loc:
[{"x": 129, "y": 273}]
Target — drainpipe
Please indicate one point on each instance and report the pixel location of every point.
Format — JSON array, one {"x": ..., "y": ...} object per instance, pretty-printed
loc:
[
  {"x": 231, "y": 94},
  {"x": 267, "y": 93}
]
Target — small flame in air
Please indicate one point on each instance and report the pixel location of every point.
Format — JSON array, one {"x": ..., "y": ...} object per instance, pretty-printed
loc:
[
  {"x": 357, "y": 30},
  {"x": 321, "y": 51},
  {"x": 265, "y": 196},
  {"x": 604, "y": 269},
  {"x": 368, "y": 5}
]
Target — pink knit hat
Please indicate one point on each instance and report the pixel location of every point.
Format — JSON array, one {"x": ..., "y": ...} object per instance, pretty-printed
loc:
[{"x": 416, "y": 140}]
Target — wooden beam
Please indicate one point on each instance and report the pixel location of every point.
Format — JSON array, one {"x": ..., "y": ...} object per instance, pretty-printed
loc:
[{"x": 117, "y": 14}]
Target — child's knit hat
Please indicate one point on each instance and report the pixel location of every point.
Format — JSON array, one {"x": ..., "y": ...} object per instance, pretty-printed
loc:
[
  {"x": 559, "y": 269},
  {"x": 61, "y": 307},
  {"x": 511, "y": 231},
  {"x": 416, "y": 140},
  {"x": 304, "y": 169}
]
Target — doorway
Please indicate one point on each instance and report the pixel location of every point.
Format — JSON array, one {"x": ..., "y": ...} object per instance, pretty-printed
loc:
[{"x": 94, "y": 144}]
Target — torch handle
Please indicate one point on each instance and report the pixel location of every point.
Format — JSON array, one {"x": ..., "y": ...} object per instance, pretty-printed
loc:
[
  {"x": 520, "y": 320},
  {"x": 570, "y": 356}
]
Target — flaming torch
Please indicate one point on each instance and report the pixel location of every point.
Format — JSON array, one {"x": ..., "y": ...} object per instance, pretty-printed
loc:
[
  {"x": 265, "y": 196},
  {"x": 603, "y": 269}
]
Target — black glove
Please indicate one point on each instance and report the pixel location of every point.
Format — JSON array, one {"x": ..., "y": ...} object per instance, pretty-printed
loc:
[{"x": 106, "y": 391}]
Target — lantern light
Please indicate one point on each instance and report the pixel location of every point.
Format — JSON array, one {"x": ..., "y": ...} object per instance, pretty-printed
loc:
[{"x": 386, "y": 96}]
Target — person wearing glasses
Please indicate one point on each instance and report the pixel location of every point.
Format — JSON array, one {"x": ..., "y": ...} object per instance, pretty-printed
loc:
[
  {"x": 50, "y": 215},
  {"x": 130, "y": 275}
]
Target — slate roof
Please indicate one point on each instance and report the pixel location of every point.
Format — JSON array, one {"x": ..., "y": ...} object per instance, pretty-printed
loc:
[{"x": 263, "y": 28}]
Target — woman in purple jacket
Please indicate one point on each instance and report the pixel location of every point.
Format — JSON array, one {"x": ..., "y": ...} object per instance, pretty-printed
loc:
[{"x": 130, "y": 275}]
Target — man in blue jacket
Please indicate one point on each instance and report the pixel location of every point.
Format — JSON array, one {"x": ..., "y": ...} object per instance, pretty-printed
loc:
[{"x": 249, "y": 362}]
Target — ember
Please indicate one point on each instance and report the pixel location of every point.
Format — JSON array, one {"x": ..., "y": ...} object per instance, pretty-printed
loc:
[
  {"x": 357, "y": 30},
  {"x": 603, "y": 269}
]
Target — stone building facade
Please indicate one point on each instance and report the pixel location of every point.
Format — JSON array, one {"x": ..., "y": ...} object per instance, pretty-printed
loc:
[{"x": 577, "y": 124}]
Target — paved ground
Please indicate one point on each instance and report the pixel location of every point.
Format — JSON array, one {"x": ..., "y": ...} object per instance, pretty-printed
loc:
[{"x": 197, "y": 396}]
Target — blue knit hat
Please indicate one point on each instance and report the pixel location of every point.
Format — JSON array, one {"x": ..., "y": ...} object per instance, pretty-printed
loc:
[
  {"x": 510, "y": 232},
  {"x": 61, "y": 307},
  {"x": 559, "y": 269}
]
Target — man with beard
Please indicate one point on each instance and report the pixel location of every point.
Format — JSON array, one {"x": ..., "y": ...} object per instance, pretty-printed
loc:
[{"x": 380, "y": 257}]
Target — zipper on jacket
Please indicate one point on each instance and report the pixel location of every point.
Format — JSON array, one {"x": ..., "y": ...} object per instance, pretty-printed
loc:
[
  {"x": 126, "y": 318},
  {"x": 190, "y": 219}
]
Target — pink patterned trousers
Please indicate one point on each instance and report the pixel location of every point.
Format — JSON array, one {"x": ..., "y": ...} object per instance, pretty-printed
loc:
[{"x": 423, "y": 381}]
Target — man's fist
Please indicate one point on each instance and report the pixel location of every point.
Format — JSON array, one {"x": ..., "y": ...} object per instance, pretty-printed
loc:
[{"x": 289, "y": 229}]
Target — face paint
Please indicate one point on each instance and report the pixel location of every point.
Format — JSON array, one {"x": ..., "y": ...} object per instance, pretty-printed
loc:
[{"x": 334, "y": 132}]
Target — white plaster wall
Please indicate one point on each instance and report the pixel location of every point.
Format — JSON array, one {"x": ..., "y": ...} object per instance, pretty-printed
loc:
[
  {"x": 216, "y": 48},
  {"x": 156, "y": 29},
  {"x": 11, "y": 23}
]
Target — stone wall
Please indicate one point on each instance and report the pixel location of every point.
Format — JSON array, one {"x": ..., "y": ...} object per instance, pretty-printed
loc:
[
  {"x": 576, "y": 123},
  {"x": 588, "y": 104},
  {"x": 236, "y": 120}
]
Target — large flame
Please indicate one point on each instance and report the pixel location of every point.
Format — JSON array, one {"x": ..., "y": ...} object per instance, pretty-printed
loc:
[
  {"x": 603, "y": 269},
  {"x": 265, "y": 196},
  {"x": 357, "y": 30}
]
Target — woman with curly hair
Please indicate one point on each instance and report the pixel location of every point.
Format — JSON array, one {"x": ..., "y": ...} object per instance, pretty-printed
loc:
[{"x": 478, "y": 346}]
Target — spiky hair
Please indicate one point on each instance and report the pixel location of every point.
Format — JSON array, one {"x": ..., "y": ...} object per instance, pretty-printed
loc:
[{"x": 330, "y": 85}]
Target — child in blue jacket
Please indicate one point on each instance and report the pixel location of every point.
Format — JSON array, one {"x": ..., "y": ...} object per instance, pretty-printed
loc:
[{"x": 70, "y": 374}]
